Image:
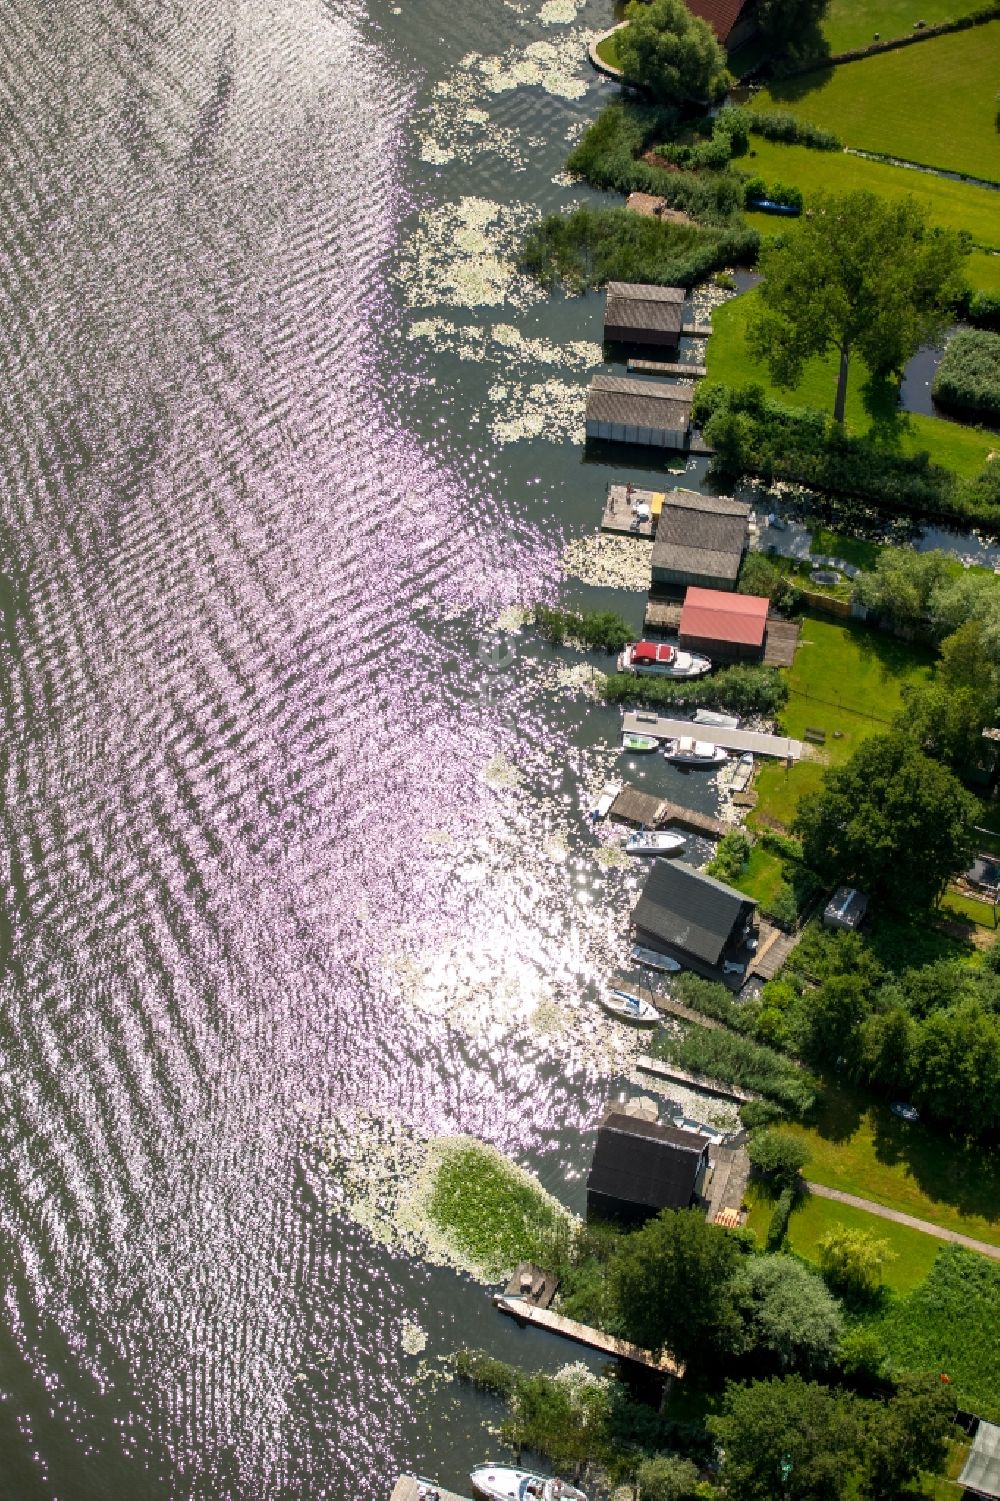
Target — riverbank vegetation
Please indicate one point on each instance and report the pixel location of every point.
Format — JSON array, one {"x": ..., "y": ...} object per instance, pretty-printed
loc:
[
  {"x": 740, "y": 690},
  {"x": 968, "y": 378},
  {"x": 494, "y": 1213},
  {"x": 594, "y": 630}
]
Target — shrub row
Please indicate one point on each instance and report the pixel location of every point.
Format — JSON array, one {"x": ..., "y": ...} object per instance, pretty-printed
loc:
[
  {"x": 777, "y": 1227},
  {"x": 983, "y": 309},
  {"x": 978, "y": 17},
  {"x": 774, "y": 126},
  {"x": 597, "y": 630},
  {"x": 968, "y": 377},
  {"x": 739, "y": 690},
  {"x": 750, "y": 434},
  {"x": 759, "y": 191},
  {"x": 734, "y": 1059}
]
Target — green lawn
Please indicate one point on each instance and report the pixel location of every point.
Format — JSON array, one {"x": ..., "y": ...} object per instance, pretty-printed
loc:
[
  {"x": 856, "y": 550},
  {"x": 958, "y": 447},
  {"x": 763, "y": 876},
  {"x": 934, "y": 103},
  {"x": 849, "y": 24},
  {"x": 915, "y": 1252},
  {"x": 846, "y": 681},
  {"x": 953, "y": 205},
  {"x": 607, "y": 50},
  {"x": 981, "y": 914},
  {"x": 983, "y": 272},
  {"x": 860, "y": 1148}
]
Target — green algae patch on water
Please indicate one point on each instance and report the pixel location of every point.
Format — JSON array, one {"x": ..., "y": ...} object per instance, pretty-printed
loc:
[{"x": 493, "y": 1213}]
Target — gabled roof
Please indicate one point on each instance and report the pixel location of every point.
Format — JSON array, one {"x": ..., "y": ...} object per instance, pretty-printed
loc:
[
  {"x": 688, "y": 910},
  {"x": 701, "y": 534},
  {"x": 737, "y": 618},
  {"x": 632, "y": 305},
  {"x": 981, "y": 1474},
  {"x": 639, "y": 403},
  {"x": 641, "y": 1162},
  {"x": 721, "y": 15}
]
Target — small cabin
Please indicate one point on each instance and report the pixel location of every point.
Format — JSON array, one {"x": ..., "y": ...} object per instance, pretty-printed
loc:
[
  {"x": 701, "y": 541},
  {"x": 637, "y": 314},
  {"x": 655, "y": 414},
  {"x": 640, "y": 1167}
]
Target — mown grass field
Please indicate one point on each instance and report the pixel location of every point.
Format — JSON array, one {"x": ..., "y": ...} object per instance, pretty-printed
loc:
[
  {"x": 951, "y": 204},
  {"x": 983, "y": 271},
  {"x": 933, "y": 103},
  {"x": 858, "y": 1146},
  {"x": 955, "y": 446},
  {"x": 846, "y": 681},
  {"x": 914, "y": 1251},
  {"x": 848, "y": 25}
]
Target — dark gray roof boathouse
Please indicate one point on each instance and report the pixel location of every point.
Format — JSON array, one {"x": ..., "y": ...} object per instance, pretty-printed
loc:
[
  {"x": 653, "y": 413},
  {"x": 637, "y": 314},
  {"x": 700, "y": 540},
  {"x": 641, "y": 1167},
  {"x": 693, "y": 918}
]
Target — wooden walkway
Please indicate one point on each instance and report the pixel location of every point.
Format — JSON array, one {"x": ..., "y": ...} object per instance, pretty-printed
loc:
[
  {"x": 662, "y": 618},
  {"x": 781, "y": 642},
  {"x": 642, "y": 810},
  {"x": 773, "y": 948},
  {"x": 734, "y": 740},
  {"x": 619, "y": 513},
  {"x": 696, "y": 330},
  {"x": 584, "y": 1334},
  {"x": 409, "y": 1488},
  {"x": 662, "y": 367},
  {"x": 661, "y": 1070}
]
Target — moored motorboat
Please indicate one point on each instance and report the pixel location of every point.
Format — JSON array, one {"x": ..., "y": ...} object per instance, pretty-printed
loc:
[
  {"x": 506, "y": 1483},
  {"x": 688, "y": 752},
  {"x": 721, "y": 721},
  {"x": 629, "y": 1007},
  {"x": 605, "y": 801},
  {"x": 659, "y": 659},
  {"x": 653, "y": 959},
  {"x": 649, "y": 842},
  {"x": 635, "y": 743}
]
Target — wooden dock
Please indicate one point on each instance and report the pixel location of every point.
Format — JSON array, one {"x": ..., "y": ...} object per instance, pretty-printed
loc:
[
  {"x": 643, "y": 811},
  {"x": 781, "y": 642},
  {"x": 661, "y": 618},
  {"x": 619, "y": 511},
  {"x": 664, "y": 367},
  {"x": 661, "y": 1070},
  {"x": 734, "y": 740},
  {"x": 696, "y": 331},
  {"x": 773, "y": 949},
  {"x": 584, "y": 1334},
  {"x": 412, "y": 1488}
]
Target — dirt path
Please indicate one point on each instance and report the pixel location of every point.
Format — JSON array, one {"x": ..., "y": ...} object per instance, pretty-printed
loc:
[{"x": 982, "y": 1246}]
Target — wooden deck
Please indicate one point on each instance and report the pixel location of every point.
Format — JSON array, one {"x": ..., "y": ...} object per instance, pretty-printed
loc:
[
  {"x": 733, "y": 740},
  {"x": 696, "y": 331},
  {"x": 662, "y": 618},
  {"x": 619, "y": 512},
  {"x": 668, "y": 367},
  {"x": 662, "y": 1070},
  {"x": 533, "y": 1285},
  {"x": 781, "y": 643},
  {"x": 773, "y": 949},
  {"x": 642, "y": 810},
  {"x": 583, "y": 1334},
  {"x": 409, "y": 1488}
]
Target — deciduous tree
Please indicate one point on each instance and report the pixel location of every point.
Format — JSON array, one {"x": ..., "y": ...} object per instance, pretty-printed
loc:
[
  {"x": 672, "y": 53},
  {"x": 861, "y": 275},
  {"x": 789, "y": 1320},
  {"x": 853, "y": 1260},
  {"x": 788, "y": 1440}
]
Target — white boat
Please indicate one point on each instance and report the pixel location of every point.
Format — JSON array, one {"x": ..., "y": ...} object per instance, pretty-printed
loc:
[
  {"x": 743, "y": 773},
  {"x": 651, "y": 843},
  {"x": 658, "y": 659},
  {"x": 721, "y": 721},
  {"x": 688, "y": 752},
  {"x": 604, "y": 803},
  {"x": 505, "y": 1483},
  {"x": 653, "y": 959},
  {"x": 630, "y": 1008}
]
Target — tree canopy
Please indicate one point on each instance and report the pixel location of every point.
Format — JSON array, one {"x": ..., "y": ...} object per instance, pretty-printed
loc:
[
  {"x": 790, "y": 1320},
  {"x": 672, "y": 53},
  {"x": 891, "y": 821},
  {"x": 860, "y": 275}
]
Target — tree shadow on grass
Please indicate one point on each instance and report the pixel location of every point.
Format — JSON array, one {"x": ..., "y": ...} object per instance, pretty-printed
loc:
[
  {"x": 788, "y": 90},
  {"x": 889, "y": 422}
]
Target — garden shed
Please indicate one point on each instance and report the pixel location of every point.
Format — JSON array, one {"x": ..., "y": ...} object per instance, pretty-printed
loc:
[
  {"x": 652, "y": 413},
  {"x": 695, "y": 919},
  {"x": 641, "y": 1167},
  {"x": 701, "y": 541},
  {"x": 637, "y": 314},
  {"x": 723, "y": 625},
  {"x": 981, "y": 1473}
]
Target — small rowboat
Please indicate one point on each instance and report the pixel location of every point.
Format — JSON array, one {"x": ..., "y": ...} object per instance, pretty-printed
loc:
[
  {"x": 636, "y": 743},
  {"x": 653, "y": 959},
  {"x": 604, "y": 803},
  {"x": 630, "y": 1008}
]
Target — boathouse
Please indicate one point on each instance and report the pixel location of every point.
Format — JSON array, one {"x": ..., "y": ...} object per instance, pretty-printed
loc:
[
  {"x": 636, "y": 314},
  {"x": 705, "y": 925},
  {"x": 653, "y": 413},
  {"x": 733, "y": 21},
  {"x": 701, "y": 541},
  {"x": 641, "y": 1167},
  {"x": 723, "y": 625}
]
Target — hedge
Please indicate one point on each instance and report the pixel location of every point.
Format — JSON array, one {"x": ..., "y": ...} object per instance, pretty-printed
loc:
[
  {"x": 968, "y": 377},
  {"x": 590, "y": 247},
  {"x": 775, "y": 126},
  {"x": 597, "y": 630},
  {"x": 777, "y": 1227},
  {"x": 739, "y": 690},
  {"x": 983, "y": 309}
]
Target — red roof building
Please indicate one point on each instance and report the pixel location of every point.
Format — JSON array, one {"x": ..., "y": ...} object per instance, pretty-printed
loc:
[
  {"x": 726, "y": 627},
  {"x": 731, "y": 20}
]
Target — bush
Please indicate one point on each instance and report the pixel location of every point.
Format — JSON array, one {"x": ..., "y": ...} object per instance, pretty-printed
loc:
[
  {"x": 741, "y": 690},
  {"x": 710, "y": 999},
  {"x": 968, "y": 377},
  {"x": 597, "y": 630},
  {"x": 730, "y": 857},
  {"x": 983, "y": 309},
  {"x": 590, "y": 247},
  {"x": 852, "y": 1260},
  {"x": 724, "y": 1055},
  {"x": 672, "y": 53},
  {"x": 777, "y": 1227},
  {"x": 484, "y": 1372},
  {"x": 779, "y": 1156},
  {"x": 760, "y": 576},
  {"x": 666, "y": 1477},
  {"x": 775, "y": 126}
]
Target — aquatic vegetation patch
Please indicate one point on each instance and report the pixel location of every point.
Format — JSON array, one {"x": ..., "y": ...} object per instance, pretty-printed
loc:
[
  {"x": 464, "y": 254},
  {"x": 581, "y": 680},
  {"x": 615, "y": 562},
  {"x": 501, "y": 773},
  {"x": 557, "y": 67},
  {"x": 547, "y": 409},
  {"x": 494, "y": 1213}
]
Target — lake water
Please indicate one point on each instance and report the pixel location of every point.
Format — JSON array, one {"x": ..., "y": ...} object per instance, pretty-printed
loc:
[{"x": 293, "y": 836}]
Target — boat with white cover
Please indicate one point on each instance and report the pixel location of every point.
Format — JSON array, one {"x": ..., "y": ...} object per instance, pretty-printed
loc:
[
  {"x": 630, "y": 1008},
  {"x": 688, "y": 752},
  {"x": 648, "y": 842},
  {"x": 658, "y": 659},
  {"x": 721, "y": 721},
  {"x": 506, "y": 1483},
  {"x": 604, "y": 803},
  {"x": 653, "y": 959}
]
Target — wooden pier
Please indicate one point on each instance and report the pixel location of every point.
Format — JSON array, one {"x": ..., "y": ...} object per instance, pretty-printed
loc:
[
  {"x": 643, "y": 811},
  {"x": 619, "y": 511},
  {"x": 412, "y": 1488},
  {"x": 661, "y": 1070},
  {"x": 696, "y": 331},
  {"x": 664, "y": 367},
  {"x": 734, "y": 740},
  {"x": 661, "y": 618},
  {"x": 584, "y": 1334}
]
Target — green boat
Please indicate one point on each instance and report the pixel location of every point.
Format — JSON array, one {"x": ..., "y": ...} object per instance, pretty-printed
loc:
[{"x": 639, "y": 743}]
